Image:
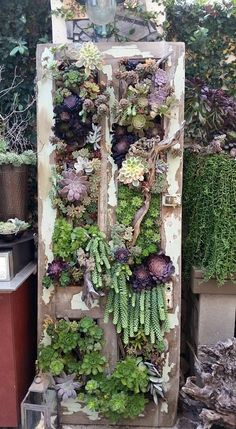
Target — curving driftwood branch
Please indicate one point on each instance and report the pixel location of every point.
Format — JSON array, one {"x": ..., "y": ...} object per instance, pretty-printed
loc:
[
  {"x": 159, "y": 146},
  {"x": 215, "y": 391}
]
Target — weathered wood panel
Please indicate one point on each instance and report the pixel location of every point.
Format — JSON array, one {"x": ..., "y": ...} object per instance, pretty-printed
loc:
[{"x": 67, "y": 302}]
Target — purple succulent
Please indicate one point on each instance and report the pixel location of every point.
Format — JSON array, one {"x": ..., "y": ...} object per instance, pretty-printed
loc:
[
  {"x": 74, "y": 186},
  {"x": 160, "y": 78},
  {"x": 120, "y": 145},
  {"x": 55, "y": 268},
  {"x": 160, "y": 267},
  {"x": 66, "y": 386},
  {"x": 122, "y": 255},
  {"x": 72, "y": 103},
  {"x": 68, "y": 125},
  {"x": 141, "y": 278},
  {"x": 158, "y": 97}
]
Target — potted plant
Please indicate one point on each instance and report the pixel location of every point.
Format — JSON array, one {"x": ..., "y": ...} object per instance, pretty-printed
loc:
[
  {"x": 13, "y": 228},
  {"x": 209, "y": 246},
  {"x": 14, "y": 181}
]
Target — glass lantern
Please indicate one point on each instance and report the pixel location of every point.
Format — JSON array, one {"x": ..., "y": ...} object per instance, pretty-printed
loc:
[
  {"x": 39, "y": 408},
  {"x": 101, "y": 13}
]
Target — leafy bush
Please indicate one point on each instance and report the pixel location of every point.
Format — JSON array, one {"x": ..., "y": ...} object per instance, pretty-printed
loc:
[
  {"x": 208, "y": 31},
  {"x": 24, "y": 24}
]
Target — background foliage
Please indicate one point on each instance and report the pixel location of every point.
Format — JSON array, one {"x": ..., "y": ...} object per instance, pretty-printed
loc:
[
  {"x": 23, "y": 24},
  {"x": 208, "y": 31}
]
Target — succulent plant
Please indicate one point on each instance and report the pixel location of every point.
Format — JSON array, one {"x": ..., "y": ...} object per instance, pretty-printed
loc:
[
  {"x": 121, "y": 142},
  {"x": 161, "y": 167},
  {"x": 83, "y": 165},
  {"x": 55, "y": 268},
  {"x": 72, "y": 103},
  {"x": 130, "y": 64},
  {"x": 160, "y": 78},
  {"x": 122, "y": 255},
  {"x": 139, "y": 121},
  {"x": 94, "y": 136},
  {"x": 74, "y": 186},
  {"x": 140, "y": 278},
  {"x": 89, "y": 57},
  {"x": 90, "y": 90},
  {"x": 155, "y": 385},
  {"x": 142, "y": 147},
  {"x": 66, "y": 386},
  {"x": 158, "y": 97},
  {"x": 132, "y": 171},
  {"x": 69, "y": 126},
  {"x": 147, "y": 68},
  {"x": 13, "y": 226},
  {"x": 88, "y": 105},
  {"x": 160, "y": 267}
]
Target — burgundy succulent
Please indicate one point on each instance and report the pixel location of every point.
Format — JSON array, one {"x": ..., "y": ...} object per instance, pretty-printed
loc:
[
  {"x": 122, "y": 255},
  {"x": 120, "y": 145},
  {"x": 72, "y": 103},
  {"x": 68, "y": 124},
  {"x": 141, "y": 278},
  {"x": 160, "y": 267},
  {"x": 74, "y": 186},
  {"x": 55, "y": 268}
]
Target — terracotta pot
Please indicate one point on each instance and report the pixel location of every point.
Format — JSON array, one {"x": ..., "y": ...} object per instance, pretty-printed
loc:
[{"x": 13, "y": 192}]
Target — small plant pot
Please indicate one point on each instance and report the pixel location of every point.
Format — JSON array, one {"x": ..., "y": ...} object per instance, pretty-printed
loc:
[
  {"x": 13, "y": 192},
  {"x": 11, "y": 237}
]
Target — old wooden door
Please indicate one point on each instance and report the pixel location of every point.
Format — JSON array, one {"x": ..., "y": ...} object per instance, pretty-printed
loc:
[{"x": 67, "y": 302}]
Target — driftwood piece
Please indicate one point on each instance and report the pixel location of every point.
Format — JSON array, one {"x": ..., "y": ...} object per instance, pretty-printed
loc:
[
  {"x": 158, "y": 148},
  {"x": 214, "y": 388}
]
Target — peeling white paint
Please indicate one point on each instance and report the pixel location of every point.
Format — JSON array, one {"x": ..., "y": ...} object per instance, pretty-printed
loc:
[
  {"x": 127, "y": 51},
  {"x": 174, "y": 318},
  {"x": 74, "y": 406},
  {"x": 107, "y": 69},
  {"x": 173, "y": 238},
  {"x": 46, "y": 339},
  {"x": 112, "y": 191},
  {"x": 167, "y": 369},
  {"x": 78, "y": 304},
  {"x": 47, "y": 293},
  {"x": 164, "y": 407},
  {"x": 179, "y": 78},
  {"x": 166, "y": 377},
  {"x": 45, "y": 112},
  {"x": 48, "y": 213},
  {"x": 59, "y": 31}
]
